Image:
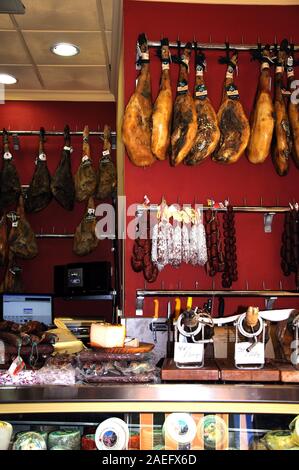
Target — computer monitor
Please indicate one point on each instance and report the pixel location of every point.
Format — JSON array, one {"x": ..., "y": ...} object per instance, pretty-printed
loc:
[{"x": 21, "y": 308}]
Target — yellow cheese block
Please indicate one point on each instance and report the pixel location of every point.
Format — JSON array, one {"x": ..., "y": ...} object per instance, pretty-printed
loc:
[
  {"x": 106, "y": 335},
  {"x": 66, "y": 342}
]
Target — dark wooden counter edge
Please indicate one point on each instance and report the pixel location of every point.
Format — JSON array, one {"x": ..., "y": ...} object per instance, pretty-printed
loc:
[{"x": 238, "y": 393}]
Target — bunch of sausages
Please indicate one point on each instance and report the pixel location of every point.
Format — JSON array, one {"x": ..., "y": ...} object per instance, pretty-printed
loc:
[
  {"x": 290, "y": 244},
  {"x": 215, "y": 262},
  {"x": 141, "y": 259}
]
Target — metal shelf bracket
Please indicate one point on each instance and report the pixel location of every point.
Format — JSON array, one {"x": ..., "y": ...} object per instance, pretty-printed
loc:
[{"x": 268, "y": 220}]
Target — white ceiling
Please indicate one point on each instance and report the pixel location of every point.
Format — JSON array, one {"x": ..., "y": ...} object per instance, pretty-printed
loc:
[{"x": 25, "y": 41}]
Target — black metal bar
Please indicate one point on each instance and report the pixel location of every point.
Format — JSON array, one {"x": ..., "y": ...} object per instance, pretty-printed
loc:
[
  {"x": 214, "y": 46},
  {"x": 223, "y": 293}
]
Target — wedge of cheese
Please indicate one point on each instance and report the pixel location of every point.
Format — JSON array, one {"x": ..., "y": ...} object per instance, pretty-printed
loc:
[
  {"x": 106, "y": 335},
  {"x": 66, "y": 342}
]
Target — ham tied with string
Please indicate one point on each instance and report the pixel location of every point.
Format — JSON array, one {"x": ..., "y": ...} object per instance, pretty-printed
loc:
[
  {"x": 293, "y": 107},
  {"x": 163, "y": 107},
  {"x": 85, "y": 240},
  {"x": 62, "y": 185},
  {"x": 107, "y": 180},
  {"x": 10, "y": 186},
  {"x": 233, "y": 123},
  {"x": 184, "y": 127},
  {"x": 208, "y": 133},
  {"x": 39, "y": 194},
  {"x": 21, "y": 240},
  {"x": 262, "y": 117},
  {"x": 282, "y": 139},
  {"x": 85, "y": 178},
  {"x": 3, "y": 240},
  {"x": 137, "y": 121}
]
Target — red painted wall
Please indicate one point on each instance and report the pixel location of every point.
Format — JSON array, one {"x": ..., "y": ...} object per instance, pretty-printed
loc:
[
  {"x": 38, "y": 273},
  {"x": 258, "y": 253}
]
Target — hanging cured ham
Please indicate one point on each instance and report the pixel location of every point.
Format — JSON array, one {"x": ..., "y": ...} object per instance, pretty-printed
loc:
[
  {"x": 10, "y": 186},
  {"x": 3, "y": 240},
  {"x": 262, "y": 118},
  {"x": 208, "y": 133},
  {"x": 21, "y": 239},
  {"x": 163, "y": 107},
  {"x": 293, "y": 110},
  {"x": 184, "y": 116},
  {"x": 282, "y": 142},
  {"x": 39, "y": 193},
  {"x": 62, "y": 186},
  {"x": 107, "y": 172},
  {"x": 233, "y": 123},
  {"x": 137, "y": 122},
  {"x": 85, "y": 240},
  {"x": 85, "y": 178},
  {"x": 13, "y": 277}
]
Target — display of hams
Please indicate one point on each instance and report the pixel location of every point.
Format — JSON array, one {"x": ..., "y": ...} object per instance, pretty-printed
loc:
[
  {"x": 10, "y": 186},
  {"x": 141, "y": 258},
  {"x": 262, "y": 117},
  {"x": 39, "y": 194},
  {"x": 184, "y": 127},
  {"x": 86, "y": 240},
  {"x": 137, "y": 121},
  {"x": 208, "y": 133},
  {"x": 282, "y": 141},
  {"x": 85, "y": 178},
  {"x": 163, "y": 107},
  {"x": 107, "y": 180},
  {"x": 293, "y": 109},
  {"x": 290, "y": 244},
  {"x": 62, "y": 185},
  {"x": 215, "y": 261},
  {"x": 21, "y": 238},
  {"x": 233, "y": 123},
  {"x": 3, "y": 240},
  {"x": 230, "y": 273}
]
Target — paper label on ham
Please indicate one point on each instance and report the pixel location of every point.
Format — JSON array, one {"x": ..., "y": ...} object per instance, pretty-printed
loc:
[
  {"x": 16, "y": 366},
  {"x": 201, "y": 92},
  {"x": 106, "y": 156},
  {"x": 145, "y": 56},
  {"x": 232, "y": 92},
  {"x": 7, "y": 156},
  {"x": 165, "y": 66},
  {"x": 42, "y": 157},
  {"x": 279, "y": 69},
  {"x": 15, "y": 223},
  {"x": 68, "y": 149},
  {"x": 182, "y": 88},
  {"x": 265, "y": 65}
]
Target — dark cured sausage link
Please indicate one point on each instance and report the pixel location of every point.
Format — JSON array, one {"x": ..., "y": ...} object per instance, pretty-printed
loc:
[
  {"x": 230, "y": 273},
  {"x": 215, "y": 262}
]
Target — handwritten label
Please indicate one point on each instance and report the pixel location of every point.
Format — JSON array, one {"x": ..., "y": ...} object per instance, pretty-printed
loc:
[
  {"x": 7, "y": 156},
  {"x": 256, "y": 355},
  {"x": 188, "y": 353}
]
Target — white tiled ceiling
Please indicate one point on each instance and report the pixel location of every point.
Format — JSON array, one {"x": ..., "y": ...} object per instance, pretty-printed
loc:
[{"x": 25, "y": 42}]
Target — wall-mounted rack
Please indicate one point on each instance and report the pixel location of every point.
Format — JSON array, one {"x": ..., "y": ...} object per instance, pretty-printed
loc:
[{"x": 215, "y": 46}]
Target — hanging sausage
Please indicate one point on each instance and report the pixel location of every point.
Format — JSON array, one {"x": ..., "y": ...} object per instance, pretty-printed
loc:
[
  {"x": 262, "y": 117},
  {"x": 39, "y": 194},
  {"x": 85, "y": 240},
  {"x": 184, "y": 126},
  {"x": 21, "y": 240},
  {"x": 163, "y": 107},
  {"x": 107, "y": 181},
  {"x": 233, "y": 123},
  {"x": 290, "y": 244},
  {"x": 215, "y": 261},
  {"x": 85, "y": 178},
  {"x": 10, "y": 186},
  {"x": 62, "y": 185},
  {"x": 208, "y": 133},
  {"x": 230, "y": 273},
  {"x": 137, "y": 121},
  {"x": 293, "y": 108}
]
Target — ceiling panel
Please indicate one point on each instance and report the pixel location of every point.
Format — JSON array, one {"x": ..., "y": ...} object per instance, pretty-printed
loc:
[
  {"x": 5, "y": 22},
  {"x": 74, "y": 78},
  {"x": 91, "y": 48},
  {"x": 108, "y": 13},
  {"x": 25, "y": 75},
  {"x": 11, "y": 49},
  {"x": 62, "y": 15}
]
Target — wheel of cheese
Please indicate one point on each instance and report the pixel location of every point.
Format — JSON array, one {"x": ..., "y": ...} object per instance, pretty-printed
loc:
[
  {"x": 30, "y": 441},
  {"x": 5, "y": 435},
  {"x": 112, "y": 434},
  {"x": 211, "y": 431},
  {"x": 179, "y": 428},
  {"x": 70, "y": 438}
]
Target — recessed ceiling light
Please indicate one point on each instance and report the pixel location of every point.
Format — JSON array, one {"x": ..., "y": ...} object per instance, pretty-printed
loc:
[
  {"x": 65, "y": 49},
  {"x": 6, "y": 79}
]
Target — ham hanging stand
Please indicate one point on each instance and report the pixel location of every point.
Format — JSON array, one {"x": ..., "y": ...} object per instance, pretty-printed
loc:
[{"x": 250, "y": 354}]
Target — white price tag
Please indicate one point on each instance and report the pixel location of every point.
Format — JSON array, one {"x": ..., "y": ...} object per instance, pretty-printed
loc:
[
  {"x": 256, "y": 355},
  {"x": 187, "y": 353},
  {"x": 42, "y": 157},
  {"x": 105, "y": 153},
  {"x": 7, "y": 156}
]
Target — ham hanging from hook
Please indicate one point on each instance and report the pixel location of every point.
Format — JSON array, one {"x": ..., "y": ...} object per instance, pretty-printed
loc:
[
  {"x": 293, "y": 108},
  {"x": 22, "y": 241},
  {"x": 85, "y": 240},
  {"x": 13, "y": 277},
  {"x": 3, "y": 240},
  {"x": 85, "y": 178},
  {"x": 107, "y": 180},
  {"x": 10, "y": 186}
]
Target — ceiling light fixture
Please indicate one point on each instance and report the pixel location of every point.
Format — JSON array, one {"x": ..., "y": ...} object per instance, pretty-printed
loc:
[
  {"x": 6, "y": 79},
  {"x": 65, "y": 49}
]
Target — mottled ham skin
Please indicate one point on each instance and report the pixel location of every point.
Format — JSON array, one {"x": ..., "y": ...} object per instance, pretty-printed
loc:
[
  {"x": 85, "y": 240},
  {"x": 163, "y": 108},
  {"x": 137, "y": 121},
  {"x": 85, "y": 178},
  {"x": 233, "y": 124},
  {"x": 107, "y": 178},
  {"x": 262, "y": 118},
  {"x": 293, "y": 112},
  {"x": 21, "y": 240},
  {"x": 3, "y": 240},
  {"x": 10, "y": 186},
  {"x": 184, "y": 127}
]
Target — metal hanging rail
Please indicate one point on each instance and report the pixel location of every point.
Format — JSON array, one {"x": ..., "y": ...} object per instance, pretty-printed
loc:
[
  {"x": 223, "y": 293},
  {"x": 214, "y": 46},
  {"x": 56, "y": 133},
  {"x": 261, "y": 209}
]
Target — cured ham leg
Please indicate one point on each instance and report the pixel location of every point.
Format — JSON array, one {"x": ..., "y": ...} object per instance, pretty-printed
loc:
[
  {"x": 3, "y": 240},
  {"x": 107, "y": 172},
  {"x": 184, "y": 117},
  {"x": 85, "y": 178},
  {"x": 163, "y": 107},
  {"x": 208, "y": 133},
  {"x": 10, "y": 186},
  {"x": 262, "y": 118},
  {"x": 233, "y": 123},
  {"x": 282, "y": 142},
  {"x": 85, "y": 240},
  {"x": 137, "y": 122},
  {"x": 13, "y": 277},
  {"x": 293, "y": 112},
  {"x": 21, "y": 239},
  {"x": 39, "y": 193}
]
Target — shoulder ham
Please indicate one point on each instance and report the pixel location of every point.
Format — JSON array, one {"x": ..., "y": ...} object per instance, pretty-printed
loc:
[
  {"x": 184, "y": 116},
  {"x": 293, "y": 111},
  {"x": 233, "y": 123},
  {"x": 262, "y": 118},
  {"x": 22, "y": 241},
  {"x": 208, "y": 133},
  {"x": 163, "y": 108},
  {"x": 85, "y": 240},
  {"x": 85, "y": 178},
  {"x": 10, "y": 186},
  {"x": 107, "y": 172},
  {"x": 62, "y": 185},
  {"x": 39, "y": 193},
  {"x": 137, "y": 122}
]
